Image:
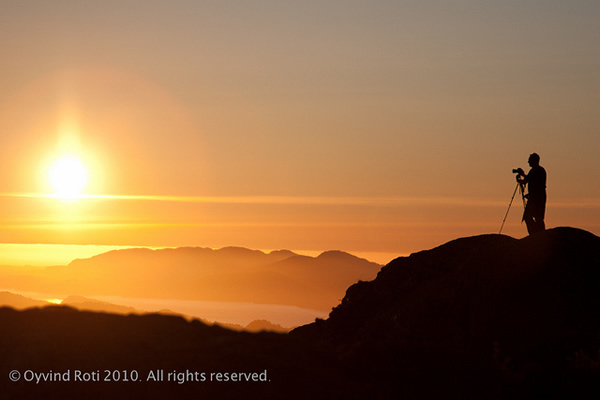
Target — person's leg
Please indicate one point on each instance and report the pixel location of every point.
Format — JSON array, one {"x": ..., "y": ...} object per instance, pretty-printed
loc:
[
  {"x": 528, "y": 218},
  {"x": 539, "y": 221},
  {"x": 541, "y": 226},
  {"x": 542, "y": 215}
]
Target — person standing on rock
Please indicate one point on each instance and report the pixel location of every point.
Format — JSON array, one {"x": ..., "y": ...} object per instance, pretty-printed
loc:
[{"x": 536, "y": 194}]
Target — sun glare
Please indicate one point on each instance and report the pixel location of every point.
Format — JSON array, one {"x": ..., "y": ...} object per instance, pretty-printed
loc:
[
  {"x": 53, "y": 300},
  {"x": 68, "y": 177}
]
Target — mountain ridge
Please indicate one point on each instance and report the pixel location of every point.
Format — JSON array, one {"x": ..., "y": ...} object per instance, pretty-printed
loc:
[
  {"x": 80, "y": 303},
  {"x": 230, "y": 251},
  {"x": 19, "y": 302},
  {"x": 233, "y": 274}
]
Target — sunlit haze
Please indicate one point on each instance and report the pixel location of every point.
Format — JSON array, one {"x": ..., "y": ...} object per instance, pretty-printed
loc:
[{"x": 372, "y": 127}]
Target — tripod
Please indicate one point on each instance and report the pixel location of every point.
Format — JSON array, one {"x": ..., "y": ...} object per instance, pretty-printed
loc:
[{"x": 521, "y": 187}]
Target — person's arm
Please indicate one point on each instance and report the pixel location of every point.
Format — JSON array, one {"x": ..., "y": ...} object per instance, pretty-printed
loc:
[{"x": 521, "y": 177}]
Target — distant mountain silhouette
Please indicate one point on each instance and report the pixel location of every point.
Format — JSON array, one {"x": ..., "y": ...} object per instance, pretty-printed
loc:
[
  {"x": 19, "y": 302},
  {"x": 259, "y": 325},
  {"x": 85, "y": 304},
  {"x": 481, "y": 317},
  {"x": 81, "y": 303},
  {"x": 263, "y": 325},
  {"x": 230, "y": 274}
]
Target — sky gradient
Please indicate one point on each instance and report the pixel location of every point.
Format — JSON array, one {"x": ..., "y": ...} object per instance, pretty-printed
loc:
[{"x": 365, "y": 126}]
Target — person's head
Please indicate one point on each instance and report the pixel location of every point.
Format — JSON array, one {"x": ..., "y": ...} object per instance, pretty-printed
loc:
[{"x": 534, "y": 160}]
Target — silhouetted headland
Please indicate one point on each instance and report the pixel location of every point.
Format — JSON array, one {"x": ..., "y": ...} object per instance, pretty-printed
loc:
[
  {"x": 230, "y": 274},
  {"x": 480, "y": 317}
]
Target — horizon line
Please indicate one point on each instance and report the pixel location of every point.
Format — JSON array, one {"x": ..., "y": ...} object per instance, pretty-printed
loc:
[
  {"x": 274, "y": 199},
  {"x": 305, "y": 200}
]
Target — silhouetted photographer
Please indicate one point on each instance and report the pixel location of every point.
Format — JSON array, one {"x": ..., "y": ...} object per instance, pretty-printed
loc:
[{"x": 536, "y": 194}]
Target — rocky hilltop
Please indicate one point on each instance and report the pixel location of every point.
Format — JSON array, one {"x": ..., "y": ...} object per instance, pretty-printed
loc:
[{"x": 479, "y": 316}]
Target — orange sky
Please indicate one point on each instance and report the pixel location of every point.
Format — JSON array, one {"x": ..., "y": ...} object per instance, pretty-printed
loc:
[{"x": 365, "y": 126}]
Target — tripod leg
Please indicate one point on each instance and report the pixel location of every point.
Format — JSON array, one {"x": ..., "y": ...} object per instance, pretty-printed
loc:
[{"x": 510, "y": 204}]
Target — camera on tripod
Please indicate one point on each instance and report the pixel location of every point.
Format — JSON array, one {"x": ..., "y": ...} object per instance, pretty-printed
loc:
[{"x": 520, "y": 185}]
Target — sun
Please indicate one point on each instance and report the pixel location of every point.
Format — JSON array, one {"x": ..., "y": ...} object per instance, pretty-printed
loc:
[{"x": 68, "y": 177}]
